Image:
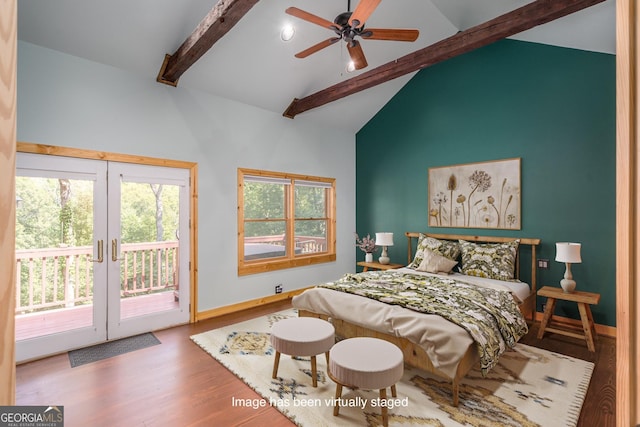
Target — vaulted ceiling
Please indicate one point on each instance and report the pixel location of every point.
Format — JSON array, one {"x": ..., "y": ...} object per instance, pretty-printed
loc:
[{"x": 249, "y": 62}]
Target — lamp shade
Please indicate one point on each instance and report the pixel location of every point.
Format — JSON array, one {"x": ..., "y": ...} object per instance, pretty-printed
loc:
[
  {"x": 568, "y": 252},
  {"x": 384, "y": 239}
]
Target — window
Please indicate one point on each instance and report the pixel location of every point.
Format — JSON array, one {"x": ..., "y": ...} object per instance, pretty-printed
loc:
[{"x": 284, "y": 220}]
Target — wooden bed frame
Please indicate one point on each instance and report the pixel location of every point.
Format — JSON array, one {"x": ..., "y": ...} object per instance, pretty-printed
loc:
[{"x": 414, "y": 355}]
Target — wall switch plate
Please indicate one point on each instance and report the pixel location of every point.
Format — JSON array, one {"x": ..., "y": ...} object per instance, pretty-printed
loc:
[{"x": 543, "y": 264}]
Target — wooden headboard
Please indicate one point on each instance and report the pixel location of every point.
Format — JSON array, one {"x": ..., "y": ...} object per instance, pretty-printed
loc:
[{"x": 483, "y": 239}]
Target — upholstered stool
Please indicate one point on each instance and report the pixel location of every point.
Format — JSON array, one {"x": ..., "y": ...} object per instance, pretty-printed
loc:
[
  {"x": 367, "y": 363},
  {"x": 302, "y": 336}
]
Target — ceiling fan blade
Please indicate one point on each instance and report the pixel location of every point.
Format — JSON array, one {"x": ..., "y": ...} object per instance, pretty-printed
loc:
[
  {"x": 299, "y": 13},
  {"x": 317, "y": 47},
  {"x": 390, "y": 34},
  {"x": 362, "y": 12},
  {"x": 357, "y": 55}
]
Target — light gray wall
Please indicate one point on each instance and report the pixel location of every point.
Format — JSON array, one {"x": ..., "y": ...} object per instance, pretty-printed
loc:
[{"x": 71, "y": 102}]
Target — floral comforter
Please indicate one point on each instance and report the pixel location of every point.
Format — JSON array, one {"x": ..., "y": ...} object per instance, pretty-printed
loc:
[{"x": 490, "y": 316}]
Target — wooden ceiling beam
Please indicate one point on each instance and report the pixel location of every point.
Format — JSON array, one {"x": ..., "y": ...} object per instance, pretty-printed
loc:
[
  {"x": 218, "y": 22},
  {"x": 526, "y": 17}
]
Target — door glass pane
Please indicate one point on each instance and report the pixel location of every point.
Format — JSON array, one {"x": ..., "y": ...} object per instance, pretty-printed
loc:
[
  {"x": 54, "y": 252},
  {"x": 148, "y": 250}
]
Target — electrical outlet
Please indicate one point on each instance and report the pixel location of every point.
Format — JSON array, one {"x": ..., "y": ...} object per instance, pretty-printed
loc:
[
  {"x": 279, "y": 288},
  {"x": 543, "y": 264},
  {"x": 544, "y": 307}
]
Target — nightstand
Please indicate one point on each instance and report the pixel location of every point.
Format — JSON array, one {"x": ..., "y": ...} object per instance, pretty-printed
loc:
[
  {"x": 584, "y": 301},
  {"x": 377, "y": 266}
]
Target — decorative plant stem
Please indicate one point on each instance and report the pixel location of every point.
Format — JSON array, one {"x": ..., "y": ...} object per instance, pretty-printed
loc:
[
  {"x": 461, "y": 198},
  {"x": 508, "y": 203},
  {"x": 481, "y": 181},
  {"x": 439, "y": 199},
  {"x": 504, "y": 182},
  {"x": 491, "y": 201},
  {"x": 452, "y": 185},
  {"x": 476, "y": 211}
]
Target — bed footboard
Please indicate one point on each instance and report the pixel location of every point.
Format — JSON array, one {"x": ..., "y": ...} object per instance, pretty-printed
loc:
[{"x": 414, "y": 355}]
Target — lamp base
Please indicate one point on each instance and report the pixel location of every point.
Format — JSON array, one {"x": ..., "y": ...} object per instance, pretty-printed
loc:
[
  {"x": 568, "y": 285},
  {"x": 384, "y": 258}
]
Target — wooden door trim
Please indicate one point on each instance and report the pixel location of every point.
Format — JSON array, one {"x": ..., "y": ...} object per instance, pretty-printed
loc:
[
  {"x": 8, "y": 90},
  {"x": 627, "y": 224}
]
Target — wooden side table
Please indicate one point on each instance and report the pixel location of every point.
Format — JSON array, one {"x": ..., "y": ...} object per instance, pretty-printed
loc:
[
  {"x": 584, "y": 300},
  {"x": 377, "y": 266}
]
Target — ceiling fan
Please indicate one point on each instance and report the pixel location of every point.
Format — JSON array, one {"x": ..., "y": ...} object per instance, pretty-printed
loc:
[{"x": 349, "y": 25}]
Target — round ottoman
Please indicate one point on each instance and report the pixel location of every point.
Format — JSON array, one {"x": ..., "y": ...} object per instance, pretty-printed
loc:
[
  {"x": 302, "y": 336},
  {"x": 367, "y": 363}
]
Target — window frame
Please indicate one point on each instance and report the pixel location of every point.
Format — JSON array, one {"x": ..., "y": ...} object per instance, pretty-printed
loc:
[{"x": 291, "y": 259}]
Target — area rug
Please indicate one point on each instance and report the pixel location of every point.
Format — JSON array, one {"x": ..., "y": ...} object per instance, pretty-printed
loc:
[
  {"x": 529, "y": 386},
  {"x": 111, "y": 348}
]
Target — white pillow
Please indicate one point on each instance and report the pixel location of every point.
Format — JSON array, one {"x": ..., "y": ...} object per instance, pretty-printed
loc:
[{"x": 436, "y": 263}]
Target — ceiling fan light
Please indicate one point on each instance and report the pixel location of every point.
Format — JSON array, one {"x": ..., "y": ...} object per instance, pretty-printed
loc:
[
  {"x": 287, "y": 32},
  {"x": 351, "y": 67}
]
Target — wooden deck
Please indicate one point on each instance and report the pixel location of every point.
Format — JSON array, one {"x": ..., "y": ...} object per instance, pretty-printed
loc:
[{"x": 59, "y": 320}]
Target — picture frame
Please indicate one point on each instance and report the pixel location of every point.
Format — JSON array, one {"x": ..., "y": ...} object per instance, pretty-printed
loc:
[{"x": 476, "y": 195}]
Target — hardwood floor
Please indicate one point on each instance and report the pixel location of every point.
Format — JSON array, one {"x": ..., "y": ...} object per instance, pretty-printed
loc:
[{"x": 177, "y": 384}]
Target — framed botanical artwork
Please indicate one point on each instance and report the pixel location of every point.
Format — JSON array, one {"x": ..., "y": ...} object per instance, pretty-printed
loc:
[{"x": 476, "y": 195}]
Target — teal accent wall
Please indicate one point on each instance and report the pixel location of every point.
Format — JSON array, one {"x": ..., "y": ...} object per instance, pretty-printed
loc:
[{"x": 552, "y": 107}]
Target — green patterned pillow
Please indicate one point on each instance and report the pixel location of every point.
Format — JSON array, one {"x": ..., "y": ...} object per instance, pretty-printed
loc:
[
  {"x": 445, "y": 248},
  {"x": 491, "y": 260}
]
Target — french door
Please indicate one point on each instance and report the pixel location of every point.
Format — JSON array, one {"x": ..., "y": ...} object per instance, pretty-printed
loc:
[{"x": 102, "y": 251}]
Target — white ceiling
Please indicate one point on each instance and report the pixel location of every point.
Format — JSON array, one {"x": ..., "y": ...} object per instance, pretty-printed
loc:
[{"x": 252, "y": 65}]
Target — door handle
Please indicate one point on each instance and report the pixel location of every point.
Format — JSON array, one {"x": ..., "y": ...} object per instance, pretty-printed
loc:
[
  {"x": 114, "y": 250},
  {"x": 100, "y": 252}
]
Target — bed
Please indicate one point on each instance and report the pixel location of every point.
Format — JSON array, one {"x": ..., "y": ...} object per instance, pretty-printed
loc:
[{"x": 364, "y": 304}]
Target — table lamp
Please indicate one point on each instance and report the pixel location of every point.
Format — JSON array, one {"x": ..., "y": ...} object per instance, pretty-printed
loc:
[
  {"x": 384, "y": 240},
  {"x": 569, "y": 253}
]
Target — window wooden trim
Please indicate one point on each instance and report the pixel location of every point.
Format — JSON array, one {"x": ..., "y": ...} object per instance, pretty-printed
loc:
[{"x": 291, "y": 259}]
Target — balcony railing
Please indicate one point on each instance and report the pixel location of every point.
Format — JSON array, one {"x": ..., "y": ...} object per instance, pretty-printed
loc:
[
  {"x": 63, "y": 277},
  {"x": 304, "y": 244}
]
